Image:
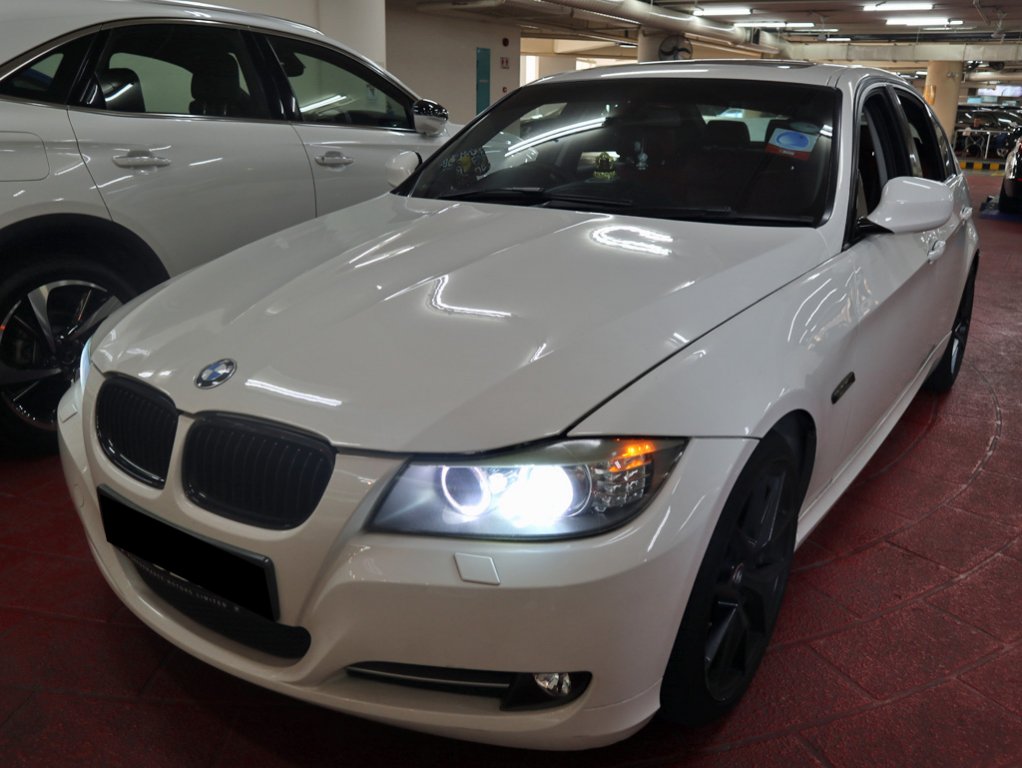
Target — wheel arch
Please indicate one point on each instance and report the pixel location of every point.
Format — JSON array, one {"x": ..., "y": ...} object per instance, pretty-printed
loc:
[
  {"x": 108, "y": 243},
  {"x": 798, "y": 429}
]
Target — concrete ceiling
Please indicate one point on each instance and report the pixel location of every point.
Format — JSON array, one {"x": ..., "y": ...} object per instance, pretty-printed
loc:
[{"x": 989, "y": 30}]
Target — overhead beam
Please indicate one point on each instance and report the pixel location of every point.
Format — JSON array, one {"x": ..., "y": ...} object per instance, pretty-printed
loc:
[{"x": 918, "y": 52}]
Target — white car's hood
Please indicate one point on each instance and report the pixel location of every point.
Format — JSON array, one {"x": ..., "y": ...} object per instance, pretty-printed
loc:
[{"x": 418, "y": 325}]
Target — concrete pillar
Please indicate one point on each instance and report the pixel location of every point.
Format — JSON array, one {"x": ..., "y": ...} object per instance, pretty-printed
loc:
[
  {"x": 649, "y": 45},
  {"x": 943, "y": 82},
  {"x": 359, "y": 24},
  {"x": 552, "y": 65}
]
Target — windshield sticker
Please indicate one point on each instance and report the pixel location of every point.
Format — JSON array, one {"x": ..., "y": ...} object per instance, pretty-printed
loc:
[{"x": 794, "y": 144}]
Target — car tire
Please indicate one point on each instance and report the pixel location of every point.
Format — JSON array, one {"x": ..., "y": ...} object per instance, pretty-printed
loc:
[
  {"x": 942, "y": 378},
  {"x": 738, "y": 590},
  {"x": 1006, "y": 203},
  {"x": 48, "y": 309}
]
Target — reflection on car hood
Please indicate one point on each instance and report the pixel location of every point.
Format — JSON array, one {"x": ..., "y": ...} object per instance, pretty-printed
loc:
[{"x": 419, "y": 325}]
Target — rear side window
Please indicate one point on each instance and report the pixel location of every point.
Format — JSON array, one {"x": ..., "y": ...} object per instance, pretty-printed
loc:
[
  {"x": 178, "y": 69},
  {"x": 47, "y": 79}
]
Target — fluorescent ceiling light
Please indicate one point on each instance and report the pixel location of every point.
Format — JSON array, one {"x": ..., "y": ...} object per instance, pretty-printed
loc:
[
  {"x": 839, "y": 39},
  {"x": 917, "y": 21},
  {"x": 896, "y": 5},
  {"x": 722, "y": 10},
  {"x": 776, "y": 24}
]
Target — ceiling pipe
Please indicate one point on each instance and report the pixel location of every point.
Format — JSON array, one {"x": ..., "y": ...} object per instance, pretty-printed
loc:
[
  {"x": 640, "y": 12},
  {"x": 651, "y": 16}
]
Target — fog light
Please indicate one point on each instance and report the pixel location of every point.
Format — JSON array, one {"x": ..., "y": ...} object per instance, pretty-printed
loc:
[
  {"x": 554, "y": 684},
  {"x": 543, "y": 690}
]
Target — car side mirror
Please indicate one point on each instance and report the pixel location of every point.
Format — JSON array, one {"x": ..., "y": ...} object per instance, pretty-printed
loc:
[
  {"x": 430, "y": 117},
  {"x": 401, "y": 166},
  {"x": 910, "y": 204}
]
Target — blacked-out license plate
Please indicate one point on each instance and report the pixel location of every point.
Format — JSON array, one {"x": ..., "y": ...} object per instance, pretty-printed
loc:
[{"x": 242, "y": 577}]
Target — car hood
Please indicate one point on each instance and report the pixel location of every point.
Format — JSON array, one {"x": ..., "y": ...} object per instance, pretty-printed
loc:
[{"x": 411, "y": 325}]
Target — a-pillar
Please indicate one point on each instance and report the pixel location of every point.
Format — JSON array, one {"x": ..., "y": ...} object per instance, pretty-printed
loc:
[
  {"x": 943, "y": 83},
  {"x": 359, "y": 24}
]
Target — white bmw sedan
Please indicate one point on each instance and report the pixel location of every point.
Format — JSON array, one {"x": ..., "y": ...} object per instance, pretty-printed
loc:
[
  {"x": 520, "y": 453},
  {"x": 140, "y": 139}
]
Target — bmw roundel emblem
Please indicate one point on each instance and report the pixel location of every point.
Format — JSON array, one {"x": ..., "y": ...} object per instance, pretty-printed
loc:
[{"x": 215, "y": 374}]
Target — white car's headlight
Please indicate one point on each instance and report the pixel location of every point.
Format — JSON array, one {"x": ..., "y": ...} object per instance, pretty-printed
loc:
[{"x": 566, "y": 489}]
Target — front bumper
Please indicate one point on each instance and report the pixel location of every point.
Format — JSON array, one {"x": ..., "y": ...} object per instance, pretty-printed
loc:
[{"x": 609, "y": 605}]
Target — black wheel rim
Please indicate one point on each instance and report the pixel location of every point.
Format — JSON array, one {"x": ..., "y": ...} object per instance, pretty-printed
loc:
[
  {"x": 750, "y": 583},
  {"x": 41, "y": 340}
]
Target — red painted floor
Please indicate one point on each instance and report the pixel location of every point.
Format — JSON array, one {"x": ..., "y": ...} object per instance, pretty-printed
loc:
[{"x": 900, "y": 643}]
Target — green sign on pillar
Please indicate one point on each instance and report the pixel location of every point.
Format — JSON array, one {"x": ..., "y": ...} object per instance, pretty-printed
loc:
[{"x": 482, "y": 79}]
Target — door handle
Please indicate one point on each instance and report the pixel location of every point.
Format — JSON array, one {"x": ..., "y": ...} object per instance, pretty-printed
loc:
[
  {"x": 141, "y": 158},
  {"x": 334, "y": 159},
  {"x": 966, "y": 212},
  {"x": 936, "y": 250}
]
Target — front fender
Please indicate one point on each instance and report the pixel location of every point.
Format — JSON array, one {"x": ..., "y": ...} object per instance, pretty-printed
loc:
[{"x": 788, "y": 352}]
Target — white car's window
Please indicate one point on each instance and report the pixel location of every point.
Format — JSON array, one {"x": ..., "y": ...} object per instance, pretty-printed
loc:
[
  {"x": 48, "y": 78},
  {"x": 703, "y": 150},
  {"x": 925, "y": 146},
  {"x": 178, "y": 69},
  {"x": 881, "y": 152},
  {"x": 331, "y": 88}
]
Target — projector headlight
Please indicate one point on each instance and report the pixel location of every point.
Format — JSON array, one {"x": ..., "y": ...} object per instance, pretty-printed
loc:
[{"x": 567, "y": 489}]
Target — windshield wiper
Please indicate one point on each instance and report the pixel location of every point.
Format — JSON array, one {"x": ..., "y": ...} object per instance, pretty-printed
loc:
[
  {"x": 521, "y": 195},
  {"x": 720, "y": 213},
  {"x": 535, "y": 196}
]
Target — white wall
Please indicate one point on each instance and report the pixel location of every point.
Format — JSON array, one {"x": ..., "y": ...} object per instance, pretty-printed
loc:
[
  {"x": 436, "y": 56},
  {"x": 433, "y": 55},
  {"x": 359, "y": 24}
]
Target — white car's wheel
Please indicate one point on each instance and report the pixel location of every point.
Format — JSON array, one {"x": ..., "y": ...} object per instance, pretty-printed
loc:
[
  {"x": 943, "y": 376},
  {"x": 47, "y": 313},
  {"x": 738, "y": 591}
]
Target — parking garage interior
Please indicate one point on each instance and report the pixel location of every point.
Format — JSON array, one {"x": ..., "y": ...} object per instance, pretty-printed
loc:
[{"x": 900, "y": 639}]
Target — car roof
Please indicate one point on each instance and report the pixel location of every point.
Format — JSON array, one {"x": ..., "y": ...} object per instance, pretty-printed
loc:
[
  {"x": 774, "y": 70},
  {"x": 27, "y": 24}
]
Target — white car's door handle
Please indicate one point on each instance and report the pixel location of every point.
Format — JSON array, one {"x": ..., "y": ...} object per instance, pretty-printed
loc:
[
  {"x": 333, "y": 159},
  {"x": 966, "y": 212},
  {"x": 936, "y": 250},
  {"x": 141, "y": 158}
]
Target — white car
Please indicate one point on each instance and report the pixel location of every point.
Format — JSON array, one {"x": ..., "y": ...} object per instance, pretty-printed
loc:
[
  {"x": 521, "y": 452},
  {"x": 140, "y": 139}
]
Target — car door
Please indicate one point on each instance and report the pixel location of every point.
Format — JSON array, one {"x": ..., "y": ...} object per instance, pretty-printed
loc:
[
  {"x": 892, "y": 280},
  {"x": 949, "y": 253},
  {"x": 180, "y": 139},
  {"x": 351, "y": 119}
]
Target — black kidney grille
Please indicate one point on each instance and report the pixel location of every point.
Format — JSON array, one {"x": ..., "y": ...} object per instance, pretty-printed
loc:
[
  {"x": 256, "y": 472},
  {"x": 135, "y": 424}
]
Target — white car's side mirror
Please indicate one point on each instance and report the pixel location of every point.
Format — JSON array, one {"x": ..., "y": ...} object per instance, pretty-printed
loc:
[
  {"x": 909, "y": 204},
  {"x": 430, "y": 117},
  {"x": 401, "y": 166}
]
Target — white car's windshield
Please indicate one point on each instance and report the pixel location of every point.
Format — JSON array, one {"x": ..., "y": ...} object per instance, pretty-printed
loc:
[{"x": 721, "y": 150}]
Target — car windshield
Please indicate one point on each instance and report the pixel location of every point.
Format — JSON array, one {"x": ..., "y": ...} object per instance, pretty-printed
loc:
[{"x": 734, "y": 151}]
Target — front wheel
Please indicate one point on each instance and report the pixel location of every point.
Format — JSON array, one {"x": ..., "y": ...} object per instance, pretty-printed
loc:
[
  {"x": 943, "y": 376},
  {"x": 48, "y": 310},
  {"x": 738, "y": 590}
]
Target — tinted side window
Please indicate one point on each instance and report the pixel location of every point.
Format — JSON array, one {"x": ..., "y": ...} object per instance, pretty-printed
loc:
[
  {"x": 331, "y": 88},
  {"x": 178, "y": 69},
  {"x": 879, "y": 157},
  {"x": 924, "y": 140},
  {"x": 48, "y": 78}
]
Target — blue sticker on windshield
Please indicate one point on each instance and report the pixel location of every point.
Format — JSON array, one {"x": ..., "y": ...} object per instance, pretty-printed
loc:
[{"x": 790, "y": 143}]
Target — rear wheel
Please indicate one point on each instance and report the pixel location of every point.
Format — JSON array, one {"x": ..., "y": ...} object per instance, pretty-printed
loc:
[
  {"x": 943, "y": 376},
  {"x": 1006, "y": 203},
  {"x": 48, "y": 311},
  {"x": 738, "y": 590}
]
